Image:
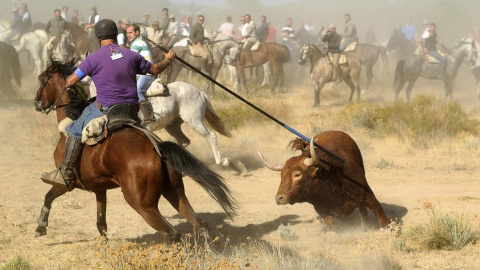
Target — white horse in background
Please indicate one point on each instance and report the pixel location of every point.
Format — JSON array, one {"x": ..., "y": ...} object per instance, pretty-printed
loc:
[
  {"x": 181, "y": 103},
  {"x": 34, "y": 42},
  {"x": 63, "y": 51},
  {"x": 476, "y": 70}
]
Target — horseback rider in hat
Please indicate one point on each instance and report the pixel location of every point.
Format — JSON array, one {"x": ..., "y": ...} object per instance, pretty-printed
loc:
[
  {"x": 349, "y": 33},
  {"x": 333, "y": 40},
  {"x": 114, "y": 70}
]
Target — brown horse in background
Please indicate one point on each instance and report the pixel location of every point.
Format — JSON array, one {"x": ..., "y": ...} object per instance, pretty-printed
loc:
[
  {"x": 127, "y": 159},
  {"x": 82, "y": 42},
  {"x": 277, "y": 54}
]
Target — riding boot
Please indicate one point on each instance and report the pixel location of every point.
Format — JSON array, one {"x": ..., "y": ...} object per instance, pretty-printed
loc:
[
  {"x": 147, "y": 111},
  {"x": 64, "y": 176}
]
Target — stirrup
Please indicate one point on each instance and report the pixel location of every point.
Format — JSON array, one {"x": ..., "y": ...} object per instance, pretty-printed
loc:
[{"x": 54, "y": 178}]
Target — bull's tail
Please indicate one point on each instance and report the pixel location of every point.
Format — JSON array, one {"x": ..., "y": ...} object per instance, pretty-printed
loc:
[
  {"x": 399, "y": 74},
  {"x": 383, "y": 55},
  {"x": 214, "y": 120},
  {"x": 214, "y": 184}
]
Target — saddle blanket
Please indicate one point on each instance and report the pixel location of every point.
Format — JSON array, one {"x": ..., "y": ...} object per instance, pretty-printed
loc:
[
  {"x": 184, "y": 42},
  {"x": 351, "y": 47},
  {"x": 342, "y": 60},
  {"x": 157, "y": 88}
]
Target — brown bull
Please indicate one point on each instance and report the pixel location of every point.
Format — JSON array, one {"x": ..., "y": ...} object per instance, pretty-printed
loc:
[{"x": 333, "y": 190}]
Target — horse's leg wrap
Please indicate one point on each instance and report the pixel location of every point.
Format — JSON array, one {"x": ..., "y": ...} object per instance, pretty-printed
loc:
[{"x": 42, "y": 220}]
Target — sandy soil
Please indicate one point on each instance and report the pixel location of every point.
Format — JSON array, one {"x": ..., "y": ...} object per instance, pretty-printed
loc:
[{"x": 445, "y": 175}]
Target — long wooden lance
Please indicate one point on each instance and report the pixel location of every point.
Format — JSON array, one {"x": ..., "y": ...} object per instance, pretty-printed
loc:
[{"x": 247, "y": 102}]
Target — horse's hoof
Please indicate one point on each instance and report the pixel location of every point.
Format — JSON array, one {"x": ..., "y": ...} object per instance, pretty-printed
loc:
[
  {"x": 239, "y": 167},
  {"x": 316, "y": 105},
  {"x": 40, "y": 231}
]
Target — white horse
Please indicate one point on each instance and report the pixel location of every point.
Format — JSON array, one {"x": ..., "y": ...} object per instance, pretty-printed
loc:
[
  {"x": 184, "y": 102},
  {"x": 63, "y": 51},
  {"x": 34, "y": 42}
]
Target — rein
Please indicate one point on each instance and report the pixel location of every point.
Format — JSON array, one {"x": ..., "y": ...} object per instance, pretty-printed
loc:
[{"x": 54, "y": 106}]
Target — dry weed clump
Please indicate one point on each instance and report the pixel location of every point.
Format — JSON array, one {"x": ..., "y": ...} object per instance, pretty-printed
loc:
[
  {"x": 442, "y": 231},
  {"x": 236, "y": 114},
  {"x": 422, "y": 120}
]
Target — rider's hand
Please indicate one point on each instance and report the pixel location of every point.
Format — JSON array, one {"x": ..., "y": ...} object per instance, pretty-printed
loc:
[{"x": 170, "y": 56}]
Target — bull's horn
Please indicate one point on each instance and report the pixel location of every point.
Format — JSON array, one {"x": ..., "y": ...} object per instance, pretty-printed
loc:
[
  {"x": 268, "y": 165},
  {"x": 313, "y": 160}
]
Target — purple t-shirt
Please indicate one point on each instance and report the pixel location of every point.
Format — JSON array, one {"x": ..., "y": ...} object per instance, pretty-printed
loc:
[{"x": 115, "y": 80}]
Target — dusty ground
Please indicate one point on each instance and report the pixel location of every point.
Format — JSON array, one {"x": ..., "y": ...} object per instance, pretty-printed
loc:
[{"x": 445, "y": 175}]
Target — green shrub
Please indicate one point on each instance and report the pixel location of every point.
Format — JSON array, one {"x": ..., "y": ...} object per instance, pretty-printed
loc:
[
  {"x": 18, "y": 263},
  {"x": 422, "y": 120},
  {"x": 442, "y": 231}
]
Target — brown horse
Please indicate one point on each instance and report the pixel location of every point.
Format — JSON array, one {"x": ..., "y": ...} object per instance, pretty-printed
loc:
[
  {"x": 127, "y": 159},
  {"x": 321, "y": 71},
  {"x": 9, "y": 69},
  {"x": 277, "y": 54},
  {"x": 82, "y": 42}
]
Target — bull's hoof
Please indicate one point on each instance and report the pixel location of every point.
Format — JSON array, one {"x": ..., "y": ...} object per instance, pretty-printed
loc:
[
  {"x": 316, "y": 105},
  {"x": 40, "y": 231}
]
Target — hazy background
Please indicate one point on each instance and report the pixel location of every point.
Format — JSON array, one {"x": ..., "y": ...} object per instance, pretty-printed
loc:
[{"x": 454, "y": 18}]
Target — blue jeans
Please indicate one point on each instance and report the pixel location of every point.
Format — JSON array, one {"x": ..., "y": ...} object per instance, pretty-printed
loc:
[
  {"x": 437, "y": 56},
  {"x": 346, "y": 41},
  {"x": 90, "y": 112},
  {"x": 143, "y": 82}
]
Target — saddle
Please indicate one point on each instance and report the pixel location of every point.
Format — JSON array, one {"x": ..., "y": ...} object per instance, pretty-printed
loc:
[
  {"x": 117, "y": 117},
  {"x": 256, "y": 46},
  {"x": 342, "y": 61},
  {"x": 351, "y": 47},
  {"x": 433, "y": 60}
]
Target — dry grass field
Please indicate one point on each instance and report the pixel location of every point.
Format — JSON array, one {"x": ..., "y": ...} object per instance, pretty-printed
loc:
[{"x": 423, "y": 180}]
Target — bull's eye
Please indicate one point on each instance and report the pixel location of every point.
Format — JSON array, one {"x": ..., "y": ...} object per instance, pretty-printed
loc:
[{"x": 297, "y": 175}]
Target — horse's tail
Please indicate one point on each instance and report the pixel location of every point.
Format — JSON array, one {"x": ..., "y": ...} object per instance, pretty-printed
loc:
[
  {"x": 399, "y": 76},
  {"x": 213, "y": 183},
  {"x": 214, "y": 120},
  {"x": 284, "y": 56},
  {"x": 383, "y": 54}
]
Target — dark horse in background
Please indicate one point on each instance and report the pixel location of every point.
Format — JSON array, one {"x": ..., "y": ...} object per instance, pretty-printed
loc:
[
  {"x": 400, "y": 44},
  {"x": 413, "y": 66},
  {"x": 368, "y": 55},
  {"x": 127, "y": 159},
  {"x": 9, "y": 68}
]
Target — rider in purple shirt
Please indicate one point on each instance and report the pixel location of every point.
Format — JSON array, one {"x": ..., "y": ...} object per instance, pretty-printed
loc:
[{"x": 114, "y": 70}]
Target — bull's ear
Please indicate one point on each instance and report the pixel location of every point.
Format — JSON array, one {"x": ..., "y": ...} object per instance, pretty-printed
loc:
[{"x": 312, "y": 171}]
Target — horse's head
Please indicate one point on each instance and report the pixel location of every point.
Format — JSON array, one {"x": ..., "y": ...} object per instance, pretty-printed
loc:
[
  {"x": 52, "y": 84},
  {"x": 395, "y": 39},
  {"x": 468, "y": 46},
  {"x": 305, "y": 54}
]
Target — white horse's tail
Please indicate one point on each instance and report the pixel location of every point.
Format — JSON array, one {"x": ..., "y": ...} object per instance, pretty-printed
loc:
[{"x": 214, "y": 120}]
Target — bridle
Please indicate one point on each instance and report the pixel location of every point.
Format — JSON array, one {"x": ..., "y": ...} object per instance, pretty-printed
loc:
[{"x": 38, "y": 101}]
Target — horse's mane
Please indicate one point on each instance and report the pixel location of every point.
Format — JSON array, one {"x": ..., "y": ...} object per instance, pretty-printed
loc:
[{"x": 56, "y": 66}]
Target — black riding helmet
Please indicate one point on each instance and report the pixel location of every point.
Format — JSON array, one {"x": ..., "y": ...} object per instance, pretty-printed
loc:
[{"x": 106, "y": 29}]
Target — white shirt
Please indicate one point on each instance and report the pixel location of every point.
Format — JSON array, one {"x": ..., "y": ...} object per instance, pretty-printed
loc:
[
  {"x": 121, "y": 39},
  {"x": 64, "y": 16}
]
